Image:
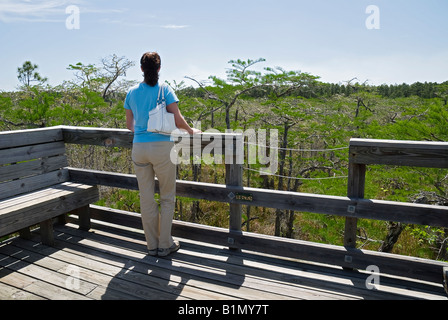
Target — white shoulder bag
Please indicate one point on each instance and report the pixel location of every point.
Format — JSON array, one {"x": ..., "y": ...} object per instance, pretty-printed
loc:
[{"x": 160, "y": 120}]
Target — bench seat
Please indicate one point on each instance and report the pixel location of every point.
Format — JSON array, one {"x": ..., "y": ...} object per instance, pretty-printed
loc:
[
  {"x": 35, "y": 185},
  {"x": 41, "y": 206}
]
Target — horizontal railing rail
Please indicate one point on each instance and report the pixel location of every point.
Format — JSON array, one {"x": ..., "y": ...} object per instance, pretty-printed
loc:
[{"x": 429, "y": 154}]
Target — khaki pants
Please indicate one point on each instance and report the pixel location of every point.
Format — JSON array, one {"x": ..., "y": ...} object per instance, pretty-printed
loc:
[{"x": 153, "y": 159}]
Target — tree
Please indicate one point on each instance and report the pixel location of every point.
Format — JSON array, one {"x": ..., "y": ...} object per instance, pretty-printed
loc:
[
  {"x": 32, "y": 109},
  {"x": 103, "y": 79},
  {"x": 442, "y": 92},
  {"x": 113, "y": 68},
  {"x": 33, "y": 106},
  {"x": 27, "y": 74},
  {"x": 86, "y": 75},
  {"x": 284, "y": 83},
  {"x": 242, "y": 81}
]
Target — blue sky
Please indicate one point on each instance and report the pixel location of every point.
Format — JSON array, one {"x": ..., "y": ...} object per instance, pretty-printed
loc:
[{"x": 197, "y": 38}]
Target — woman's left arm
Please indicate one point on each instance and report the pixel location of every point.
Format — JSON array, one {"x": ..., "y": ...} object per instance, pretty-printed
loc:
[{"x": 130, "y": 120}]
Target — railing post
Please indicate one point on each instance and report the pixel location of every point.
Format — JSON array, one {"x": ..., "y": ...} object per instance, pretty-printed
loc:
[
  {"x": 355, "y": 189},
  {"x": 234, "y": 177}
]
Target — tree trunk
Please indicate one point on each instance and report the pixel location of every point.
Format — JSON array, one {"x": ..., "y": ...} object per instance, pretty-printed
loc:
[
  {"x": 280, "y": 214},
  {"x": 395, "y": 229},
  {"x": 228, "y": 116},
  {"x": 443, "y": 253}
]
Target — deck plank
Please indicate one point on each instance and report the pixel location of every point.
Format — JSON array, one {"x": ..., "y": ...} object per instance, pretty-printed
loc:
[
  {"x": 123, "y": 283},
  {"x": 111, "y": 263},
  {"x": 162, "y": 268},
  {"x": 122, "y": 273},
  {"x": 293, "y": 281},
  {"x": 12, "y": 293},
  {"x": 224, "y": 274},
  {"x": 212, "y": 264},
  {"x": 34, "y": 282}
]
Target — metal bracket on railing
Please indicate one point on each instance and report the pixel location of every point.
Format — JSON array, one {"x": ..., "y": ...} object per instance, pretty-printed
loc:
[{"x": 351, "y": 209}]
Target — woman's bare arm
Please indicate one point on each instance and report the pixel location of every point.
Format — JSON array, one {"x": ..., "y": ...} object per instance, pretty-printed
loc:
[
  {"x": 179, "y": 119},
  {"x": 130, "y": 120}
]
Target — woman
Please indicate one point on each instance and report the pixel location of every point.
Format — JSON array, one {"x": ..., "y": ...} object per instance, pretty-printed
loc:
[{"x": 151, "y": 156}]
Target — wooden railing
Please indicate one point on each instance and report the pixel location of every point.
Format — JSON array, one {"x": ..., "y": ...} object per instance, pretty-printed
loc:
[
  {"x": 353, "y": 206},
  {"x": 365, "y": 152}
]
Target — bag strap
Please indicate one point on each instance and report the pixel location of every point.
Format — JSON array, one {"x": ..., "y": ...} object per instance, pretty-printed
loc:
[{"x": 161, "y": 91}]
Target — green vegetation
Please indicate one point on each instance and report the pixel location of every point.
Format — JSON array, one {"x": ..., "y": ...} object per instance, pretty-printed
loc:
[{"x": 309, "y": 115}]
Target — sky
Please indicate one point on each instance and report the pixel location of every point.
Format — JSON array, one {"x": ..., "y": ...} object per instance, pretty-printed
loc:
[{"x": 378, "y": 41}]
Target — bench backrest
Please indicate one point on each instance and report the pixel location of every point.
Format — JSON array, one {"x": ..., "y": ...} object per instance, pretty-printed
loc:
[{"x": 31, "y": 160}]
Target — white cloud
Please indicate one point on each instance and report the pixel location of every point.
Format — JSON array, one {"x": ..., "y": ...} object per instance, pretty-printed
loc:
[
  {"x": 174, "y": 26},
  {"x": 45, "y": 10},
  {"x": 33, "y": 11}
]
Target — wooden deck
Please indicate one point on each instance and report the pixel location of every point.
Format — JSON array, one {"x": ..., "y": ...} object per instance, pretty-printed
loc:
[{"x": 109, "y": 262}]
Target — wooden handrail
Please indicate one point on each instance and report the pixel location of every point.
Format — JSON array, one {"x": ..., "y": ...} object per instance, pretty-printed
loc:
[
  {"x": 429, "y": 154},
  {"x": 123, "y": 138}
]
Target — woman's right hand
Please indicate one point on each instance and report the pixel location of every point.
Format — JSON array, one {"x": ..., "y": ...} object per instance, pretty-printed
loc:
[{"x": 195, "y": 131}]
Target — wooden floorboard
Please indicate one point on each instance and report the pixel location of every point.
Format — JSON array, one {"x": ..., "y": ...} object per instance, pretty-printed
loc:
[{"x": 110, "y": 263}]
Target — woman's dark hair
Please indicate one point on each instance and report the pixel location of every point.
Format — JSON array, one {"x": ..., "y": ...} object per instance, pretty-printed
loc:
[{"x": 150, "y": 63}]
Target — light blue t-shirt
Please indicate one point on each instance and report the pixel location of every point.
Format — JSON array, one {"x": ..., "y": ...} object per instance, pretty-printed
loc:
[{"x": 141, "y": 99}]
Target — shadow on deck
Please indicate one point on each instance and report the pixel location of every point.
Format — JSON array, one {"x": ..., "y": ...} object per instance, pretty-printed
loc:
[{"x": 110, "y": 262}]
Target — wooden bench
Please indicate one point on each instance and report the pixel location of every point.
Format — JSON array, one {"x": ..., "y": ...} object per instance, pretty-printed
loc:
[{"x": 35, "y": 184}]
